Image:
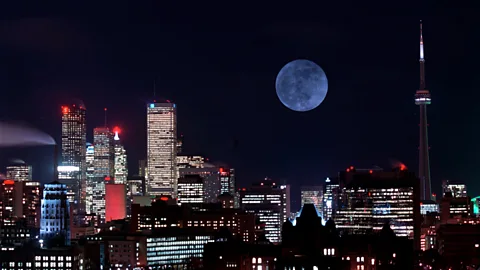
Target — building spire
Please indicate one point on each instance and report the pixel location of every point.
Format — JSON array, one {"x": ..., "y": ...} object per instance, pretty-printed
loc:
[{"x": 422, "y": 60}]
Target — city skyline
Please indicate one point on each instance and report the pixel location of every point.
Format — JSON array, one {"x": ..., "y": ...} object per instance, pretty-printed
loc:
[{"x": 394, "y": 115}]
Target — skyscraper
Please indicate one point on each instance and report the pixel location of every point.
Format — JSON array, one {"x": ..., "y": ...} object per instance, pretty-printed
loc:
[
  {"x": 103, "y": 167},
  {"x": 74, "y": 140},
  {"x": 422, "y": 99},
  {"x": 313, "y": 195},
  {"x": 271, "y": 205},
  {"x": 55, "y": 220},
  {"x": 19, "y": 172},
  {"x": 120, "y": 166},
  {"x": 90, "y": 180},
  {"x": 161, "y": 148}
]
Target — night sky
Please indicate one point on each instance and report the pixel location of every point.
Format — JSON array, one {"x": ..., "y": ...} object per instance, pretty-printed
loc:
[{"x": 218, "y": 63}]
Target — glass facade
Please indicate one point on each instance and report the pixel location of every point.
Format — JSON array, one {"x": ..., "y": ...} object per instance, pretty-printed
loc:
[
  {"x": 55, "y": 213},
  {"x": 74, "y": 139},
  {"x": 120, "y": 167},
  {"x": 161, "y": 149},
  {"x": 103, "y": 168},
  {"x": 175, "y": 251},
  {"x": 313, "y": 195},
  {"x": 19, "y": 172}
]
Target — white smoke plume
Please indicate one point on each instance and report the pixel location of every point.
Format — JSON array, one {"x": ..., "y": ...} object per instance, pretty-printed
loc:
[{"x": 21, "y": 135}]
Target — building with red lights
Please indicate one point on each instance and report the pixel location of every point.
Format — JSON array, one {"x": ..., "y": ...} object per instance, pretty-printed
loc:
[
  {"x": 74, "y": 140},
  {"x": 115, "y": 202},
  {"x": 19, "y": 200}
]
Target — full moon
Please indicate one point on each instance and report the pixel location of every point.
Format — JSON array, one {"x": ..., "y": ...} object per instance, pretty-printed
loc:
[{"x": 301, "y": 85}]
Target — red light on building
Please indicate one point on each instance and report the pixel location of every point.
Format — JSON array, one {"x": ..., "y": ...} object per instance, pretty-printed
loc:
[
  {"x": 403, "y": 167},
  {"x": 107, "y": 178},
  {"x": 221, "y": 170},
  {"x": 105, "y": 109},
  {"x": 115, "y": 202},
  {"x": 116, "y": 129},
  {"x": 9, "y": 182},
  {"x": 371, "y": 171},
  {"x": 351, "y": 167},
  {"x": 244, "y": 189},
  {"x": 65, "y": 109},
  {"x": 164, "y": 199},
  {"x": 348, "y": 170}
]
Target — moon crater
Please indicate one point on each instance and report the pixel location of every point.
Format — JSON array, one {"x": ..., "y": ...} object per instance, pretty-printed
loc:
[{"x": 301, "y": 85}]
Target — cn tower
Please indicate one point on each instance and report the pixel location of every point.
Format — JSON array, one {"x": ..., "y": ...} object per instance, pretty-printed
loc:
[{"x": 422, "y": 99}]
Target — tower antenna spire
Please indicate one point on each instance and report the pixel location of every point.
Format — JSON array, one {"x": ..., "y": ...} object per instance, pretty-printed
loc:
[
  {"x": 422, "y": 99},
  {"x": 422, "y": 60},
  {"x": 105, "y": 109}
]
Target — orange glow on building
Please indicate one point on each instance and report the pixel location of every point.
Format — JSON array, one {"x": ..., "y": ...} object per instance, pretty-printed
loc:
[
  {"x": 107, "y": 178},
  {"x": 9, "y": 182},
  {"x": 403, "y": 167},
  {"x": 164, "y": 199},
  {"x": 221, "y": 169}
]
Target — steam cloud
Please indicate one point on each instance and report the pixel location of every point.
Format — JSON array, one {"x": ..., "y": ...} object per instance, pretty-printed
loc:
[
  {"x": 21, "y": 135},
  {"x": 16, "y": 161}
]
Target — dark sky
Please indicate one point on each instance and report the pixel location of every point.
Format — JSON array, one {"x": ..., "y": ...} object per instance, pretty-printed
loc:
[{"x": 219, "y": 64}]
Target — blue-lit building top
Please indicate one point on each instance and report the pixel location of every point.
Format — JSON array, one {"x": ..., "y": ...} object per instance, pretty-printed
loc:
[{"x": 55, "y": 212}]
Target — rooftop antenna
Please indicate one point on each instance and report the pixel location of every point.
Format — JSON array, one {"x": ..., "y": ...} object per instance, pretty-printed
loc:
[{"x": 105, "y": 117}]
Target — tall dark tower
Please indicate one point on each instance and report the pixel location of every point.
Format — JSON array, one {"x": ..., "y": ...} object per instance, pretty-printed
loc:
[{"x": 422, "y": 99}]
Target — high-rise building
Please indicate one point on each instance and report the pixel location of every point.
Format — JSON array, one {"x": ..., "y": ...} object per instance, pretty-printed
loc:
[
  {"x": 142, "y": 168},
  {"x": 161, "y": 148},
  {"x": 370, "y": 199},
  {"x": 68, "y": 175},
  {"x": 120, "y": 167},
  {"x": 271, "y": 205},
  {"x": 74, "y": 140},
  {"x": 103, "y": 168},
  {"x": 90, "y": 156},
  {"x": 19, "y": 172},
  {"x": 313, "y": 195},
  {"x": 190, "y": 189},
  {"x": 19, "y": 200},
  {"x": 329, "y": 199},
  {"x": 457, "y": 190},
  {"x": 115, "y": 198},
  {"x": 422, "y": 99},
  {"x": 216, "y": 181},
  {"x": 55, "y": 219},
  {"x": 190, "y": 161}
]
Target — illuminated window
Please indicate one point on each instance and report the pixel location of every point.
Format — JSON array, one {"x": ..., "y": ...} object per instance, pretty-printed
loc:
[{"x": 254, "y": 260}]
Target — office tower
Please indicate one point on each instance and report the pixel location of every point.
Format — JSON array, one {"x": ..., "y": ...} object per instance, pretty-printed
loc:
[
  {"x": 74, "y": 139},
  {"x": 135, "y": 189},
  {"x": 103, "y": 168},
  {"x": 179, "y": 144},
  {"x": 422, "y": 98},
  {"x": 115, "y": 200},
  {"x": 313, "y": 195},
  {"x": 142, "y": 168},
  {"x": 55, "y": 209},
  {"x": 216, "y": 181},
  {"x": 329, "y": 198},
  {"x": 372, "y": 198},
  {"x": 457, "y": 190},
  {"x": 90, "y": 156},
  {"x": 270, "y": 204},
  {"x": 161, "y": 149},
  {"x": 120, "y": 166},
  {"x": 19, "y": 200},
  {"x": 19, "y": 172},
  {"x": 68, "y": 175},
  {"x": 190, "y": 189},
  {"x": 190, "y": 161}
]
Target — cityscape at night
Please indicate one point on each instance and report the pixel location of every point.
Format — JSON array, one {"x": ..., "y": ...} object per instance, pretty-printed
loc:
[{"x": 151, "y": 135}]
